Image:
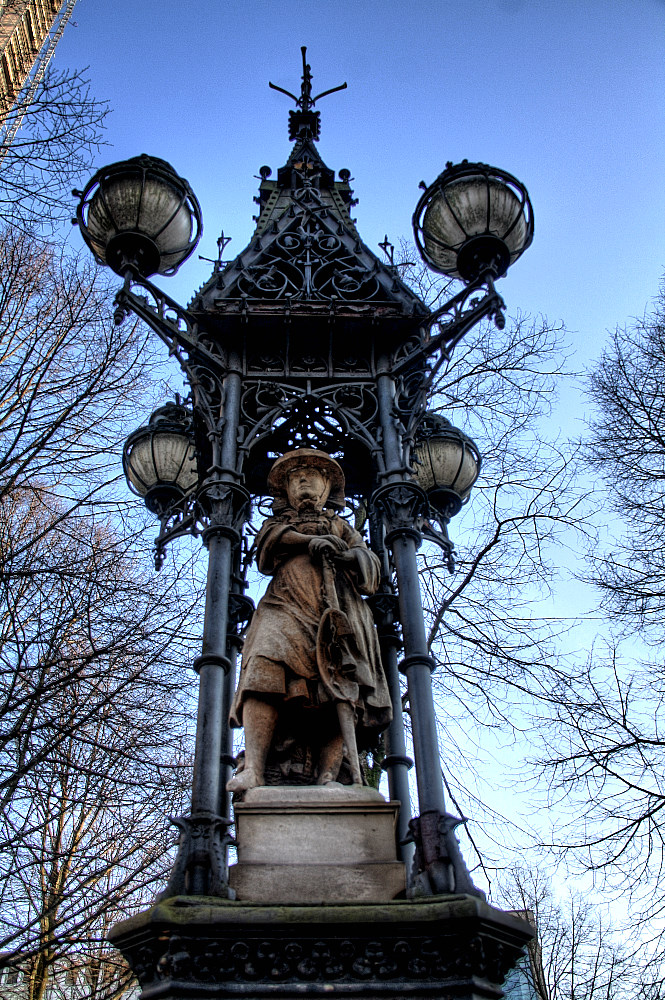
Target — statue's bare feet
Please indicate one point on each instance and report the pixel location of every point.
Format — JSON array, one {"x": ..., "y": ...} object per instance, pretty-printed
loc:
[{"x": 244, "y": 780}]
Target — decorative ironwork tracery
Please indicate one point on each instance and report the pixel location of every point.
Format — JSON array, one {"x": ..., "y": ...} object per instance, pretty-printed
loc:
[
  {"x": 308, "y": 261},
  {"x": 340, "y": 419}
]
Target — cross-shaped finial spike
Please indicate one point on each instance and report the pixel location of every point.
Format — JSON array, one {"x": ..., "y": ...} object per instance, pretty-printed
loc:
[
  {"x": 221, "y": 244},
  {"x": 388, "y": 249},
  {"x": 305, "y": 122}
]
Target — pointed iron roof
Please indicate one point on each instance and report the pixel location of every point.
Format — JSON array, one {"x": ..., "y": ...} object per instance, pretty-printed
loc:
[{"x": 306, "y": 254}]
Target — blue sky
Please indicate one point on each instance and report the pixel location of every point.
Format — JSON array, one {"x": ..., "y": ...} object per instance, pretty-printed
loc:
[{"x": 569, "y": 96}]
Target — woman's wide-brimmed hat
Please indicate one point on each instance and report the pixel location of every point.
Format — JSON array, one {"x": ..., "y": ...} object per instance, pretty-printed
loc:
[{"x": 312, "y": 458}]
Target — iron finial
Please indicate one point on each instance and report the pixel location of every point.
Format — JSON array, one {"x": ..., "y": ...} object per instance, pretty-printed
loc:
[
  {"x": 305, "y": 120},
  {"x": 388, "y": 249},
  {"x": 306, "y": 101}
]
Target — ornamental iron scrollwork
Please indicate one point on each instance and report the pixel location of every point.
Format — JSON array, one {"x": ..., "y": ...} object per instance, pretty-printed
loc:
[
  {"x": 411, "y": 397},
  {"x": 454, "y": 320},
  {"x": 308, "y": 262},
  {"x": 267, "y": 363},
  {"x": 218, "y": 508},
  {"x": 173, "y": 324},
  {"x": 287, "y": 358},
  {"x": 323, "y": 413},
  {"x": 338, "y": 419},
  {"x": 409, "y": 348},
  {"x": 179, "y": 521},
  {"x": 207, "y": 394},
  {"x": 307, "y": 250}
]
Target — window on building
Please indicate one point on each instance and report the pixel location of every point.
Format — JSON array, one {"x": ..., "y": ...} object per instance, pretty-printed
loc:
[
  {"x": 30, "y": 31},
  {"x": 8, "y": 78}
]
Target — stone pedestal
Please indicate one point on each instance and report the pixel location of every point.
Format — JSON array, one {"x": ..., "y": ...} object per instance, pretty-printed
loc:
[
  {"x": 456, "y": 947},
  {"x": 331, "y": 844}
]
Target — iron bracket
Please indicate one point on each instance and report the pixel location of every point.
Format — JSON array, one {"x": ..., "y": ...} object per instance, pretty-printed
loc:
[
  {"x": 441, "y": 539},
  {"x": 463, "y": 312}
]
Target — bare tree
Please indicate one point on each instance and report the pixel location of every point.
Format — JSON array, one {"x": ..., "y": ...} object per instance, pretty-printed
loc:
[
  {"x": 626, "y": 449},
  {"x": 93, "y": 700},
  {"x": 66, "y": 371},
  {"x": 602, "y": 742},
  {"x": 492, "y": 628},
  {"x": 61, "y": 129},
  {"x": 85, "y": 834},
  {"x": 605, "y": 754},
  {"x": 65, "y": 375},
  {"x": 576, "y": 955}
]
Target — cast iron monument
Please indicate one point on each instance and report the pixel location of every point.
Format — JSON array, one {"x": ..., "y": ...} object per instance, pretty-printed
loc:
[{"x": 307, "y": 345}]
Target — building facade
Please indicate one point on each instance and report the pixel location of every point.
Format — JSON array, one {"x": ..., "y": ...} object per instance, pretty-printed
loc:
[{"x": 25, "y": 29}]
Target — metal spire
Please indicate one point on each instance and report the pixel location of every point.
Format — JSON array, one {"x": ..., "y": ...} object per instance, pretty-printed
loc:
[{"x": 305, "y": 121}]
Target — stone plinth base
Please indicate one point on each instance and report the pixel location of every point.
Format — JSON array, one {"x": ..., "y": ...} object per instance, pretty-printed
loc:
[
  {"x": 455, "y": 947},
  {"x": 374, "y": 883},
  {"x": 313, "y": 844}
]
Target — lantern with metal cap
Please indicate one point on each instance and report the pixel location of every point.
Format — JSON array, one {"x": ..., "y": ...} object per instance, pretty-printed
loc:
[
  {"x": 159, "y": 459},
  {"x": 474, "y": 220},
  {"x": 139, "y": 213},
  {"x": 446, "y": 465}
]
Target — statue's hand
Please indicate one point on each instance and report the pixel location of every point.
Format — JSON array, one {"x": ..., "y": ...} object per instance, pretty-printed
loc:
[
  {"x": 349, "y": 557},
  {"x": 322, "y": 544}
]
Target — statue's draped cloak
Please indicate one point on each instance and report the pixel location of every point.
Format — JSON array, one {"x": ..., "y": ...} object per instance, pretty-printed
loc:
[{"x": 280, "y": 652}]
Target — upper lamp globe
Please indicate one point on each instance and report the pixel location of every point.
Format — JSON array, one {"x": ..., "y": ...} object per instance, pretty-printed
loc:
[
  {"x": 474, "y": 220},
  {"x": 139, "y": 213}
]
